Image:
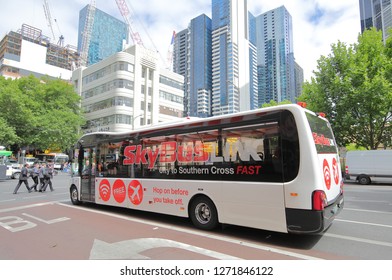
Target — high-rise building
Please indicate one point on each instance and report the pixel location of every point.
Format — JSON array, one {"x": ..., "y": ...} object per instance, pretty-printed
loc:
[
  {"x": 275, "y": 58},
  {"x": 108, "y": 34},
  {"x": 234, "y": 72},
  {"x": 192, "y": 59},
  {"x": 376, "y": 13}
]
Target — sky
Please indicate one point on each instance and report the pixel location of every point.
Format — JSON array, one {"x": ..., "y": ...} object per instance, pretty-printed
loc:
[{"x": 317, "y": 24}]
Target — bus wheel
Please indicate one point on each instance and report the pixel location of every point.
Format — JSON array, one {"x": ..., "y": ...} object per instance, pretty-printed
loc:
[
  {"x": 75, "y": 196},
  {"x": 364, "y": 180},
  {"x": 203, "y": 213}
]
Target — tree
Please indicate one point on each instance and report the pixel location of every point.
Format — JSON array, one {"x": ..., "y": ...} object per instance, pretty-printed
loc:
[
  {"x": 7, "y": 134},
  {"x": 353, "y": 86},
  {"x": 274, "y": 103},
  {"x": 43, "y": 113}
]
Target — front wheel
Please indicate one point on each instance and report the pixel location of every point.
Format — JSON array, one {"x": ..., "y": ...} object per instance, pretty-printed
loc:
[
  {"x": 203, "y": 213},
  {"x": 75, "y": 196}
]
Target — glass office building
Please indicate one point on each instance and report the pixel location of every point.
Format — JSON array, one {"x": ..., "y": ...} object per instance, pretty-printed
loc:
[
  {"x": 107, "y": 37},
  {"x": 275, "y": 58},
  {"x": 234, "y": 69},
  {"x": 376, "y": 13}
]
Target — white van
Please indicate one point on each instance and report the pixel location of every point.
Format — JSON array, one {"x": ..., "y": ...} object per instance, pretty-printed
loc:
[{"x": 365, "y": 167}]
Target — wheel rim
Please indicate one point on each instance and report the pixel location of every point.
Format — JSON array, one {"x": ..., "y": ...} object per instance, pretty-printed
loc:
[
  {"x": 203, "y": 213},
  {"x": 74, "y": 195}
]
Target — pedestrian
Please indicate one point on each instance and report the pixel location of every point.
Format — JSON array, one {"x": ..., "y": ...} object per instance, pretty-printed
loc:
[
  {"x": 41, "y": 176},
  {"x": 34, "y": 175},
  {"x": 23, "y": 178},
  {"x": 48, "y": 175}
]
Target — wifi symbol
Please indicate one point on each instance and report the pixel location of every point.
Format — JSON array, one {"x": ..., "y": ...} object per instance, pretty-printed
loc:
[
  {"x": 104, "y": 190},
  {"x": 327, "y": 174}
]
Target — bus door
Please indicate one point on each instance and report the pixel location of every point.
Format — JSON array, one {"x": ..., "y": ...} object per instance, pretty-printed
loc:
[{"x": 87, "y": 169}]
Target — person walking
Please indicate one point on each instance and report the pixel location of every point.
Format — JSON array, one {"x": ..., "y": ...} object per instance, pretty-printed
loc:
[
  {"x": 34, "y": 175},
  {"x": 48, "y": 175},
  {"x": 41, "y": 176},
  {"x": 23, "y": 178}
]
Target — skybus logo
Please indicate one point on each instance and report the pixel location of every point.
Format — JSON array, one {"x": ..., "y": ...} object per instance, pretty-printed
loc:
[{"x": 169, "y": 152}]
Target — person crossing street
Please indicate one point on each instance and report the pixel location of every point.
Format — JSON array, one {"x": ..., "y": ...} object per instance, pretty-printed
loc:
[{"x": 23, "y": 178}]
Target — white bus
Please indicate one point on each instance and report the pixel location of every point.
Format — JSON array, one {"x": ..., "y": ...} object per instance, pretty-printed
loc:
[
  {"x": 275, "y": 169},
  {"x": 58, "y": 159}
]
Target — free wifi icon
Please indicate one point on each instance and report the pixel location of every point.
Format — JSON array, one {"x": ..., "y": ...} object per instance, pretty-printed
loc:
[{"x": 104, "y": 190}]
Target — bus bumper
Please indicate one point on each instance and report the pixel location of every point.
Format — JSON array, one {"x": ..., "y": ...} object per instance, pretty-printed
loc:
[{"x": 309, "y": 221}]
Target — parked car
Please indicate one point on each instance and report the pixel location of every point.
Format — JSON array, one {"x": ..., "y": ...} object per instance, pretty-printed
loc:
[{"x": 13, "y": 172}]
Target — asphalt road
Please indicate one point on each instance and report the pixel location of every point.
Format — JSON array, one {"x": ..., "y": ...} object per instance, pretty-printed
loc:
[{"x": 46, "y": 226}]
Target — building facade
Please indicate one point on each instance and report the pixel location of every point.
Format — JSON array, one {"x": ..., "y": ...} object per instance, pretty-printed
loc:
[
  {"x": 376, "y": 13},
  {"x": 29, "y": 52},
  {"x": 192, "y": 59},
  {"x": 128, "y": 90},
  {"x": 108, "y": 35},
  {"x": 234, "y": 71},
  {"x": 275, "y": 57}
]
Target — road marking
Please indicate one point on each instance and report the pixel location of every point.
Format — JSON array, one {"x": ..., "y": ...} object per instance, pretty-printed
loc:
[
  {"x": 30, "y": 206},
  {"x": 363, "y": 223},
  {"x": 133, "y": 248},
  {"x": 49, "y": 222},
  {"x": 370, "y": 211},
  {"x": 363, "y": 240},
  {"x": 203, "y": 234}
]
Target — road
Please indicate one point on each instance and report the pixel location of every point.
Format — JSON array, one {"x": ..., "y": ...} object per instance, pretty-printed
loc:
[{"x": 46, "y": 226}]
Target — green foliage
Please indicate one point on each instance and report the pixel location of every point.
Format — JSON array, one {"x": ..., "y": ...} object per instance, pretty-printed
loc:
[
  {"x": 353, "y": 86},
  {"x": 274, "y": 103},
  {"x": 42, "y": 113}
]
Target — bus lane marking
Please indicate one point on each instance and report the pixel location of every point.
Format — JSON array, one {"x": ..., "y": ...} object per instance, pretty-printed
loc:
[
  {"x": 201, "y": 234},
  {"x": 49, "y": 222},
  {"x": 16, "y": 223}
]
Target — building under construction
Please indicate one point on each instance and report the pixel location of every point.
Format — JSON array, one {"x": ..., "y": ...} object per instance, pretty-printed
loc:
[{"x": 28, "y": 51}]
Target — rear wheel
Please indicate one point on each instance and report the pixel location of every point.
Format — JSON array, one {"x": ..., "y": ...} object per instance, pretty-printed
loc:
[
  {"x": 364, "y": 180},
  {"x": 203, "y": 213},
  {"x": 75, "y": 196}
]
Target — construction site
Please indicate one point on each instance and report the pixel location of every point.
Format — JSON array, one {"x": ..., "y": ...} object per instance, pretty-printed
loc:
[{"x": 66, "y": 57}]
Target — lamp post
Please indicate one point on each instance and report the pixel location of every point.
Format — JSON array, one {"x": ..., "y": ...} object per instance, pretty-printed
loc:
[{"x": 133, "y": 120}]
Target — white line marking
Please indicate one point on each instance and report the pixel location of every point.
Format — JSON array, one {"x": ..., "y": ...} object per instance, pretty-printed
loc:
[
  {"x": 30, "y": 206},
  {"x": 370, "y": 211},
  {"x": 374, "y": 242},
  {"x": 363, "y": 223}
]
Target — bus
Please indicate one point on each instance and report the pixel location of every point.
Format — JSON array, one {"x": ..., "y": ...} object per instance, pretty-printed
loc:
[
  {"x": 58, "y": 159},
  {"x": 274, "y": 169}
]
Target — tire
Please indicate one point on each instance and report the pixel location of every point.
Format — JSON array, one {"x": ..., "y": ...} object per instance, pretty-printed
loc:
[
  {"x": 203, "y": 213},
  {"x": 15, "y": 175},
  {"x": 364, "y": 180},
  {"x": 74, "y": 194}
]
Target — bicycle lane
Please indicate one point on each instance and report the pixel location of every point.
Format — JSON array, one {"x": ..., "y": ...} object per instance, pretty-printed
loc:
[{"x": 60, "y": 231}]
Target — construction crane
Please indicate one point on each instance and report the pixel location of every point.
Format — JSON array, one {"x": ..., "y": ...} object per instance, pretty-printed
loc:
[
  {"x": 49, "y": 21},
  {"x": 86, "y": 33},
  {"x": 122, "y": 6},
  {"x": 49, "y": 18}
]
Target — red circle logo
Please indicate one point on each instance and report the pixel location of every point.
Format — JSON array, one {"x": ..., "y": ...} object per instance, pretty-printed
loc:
[
  {"x": 119, "y": 191},
  {"x": 135, "y": 192},
  {"x": 104, "y": 190},
  {"x": 327, "y": 174},
  {"x": 335, "y": 171}
]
